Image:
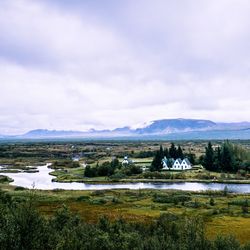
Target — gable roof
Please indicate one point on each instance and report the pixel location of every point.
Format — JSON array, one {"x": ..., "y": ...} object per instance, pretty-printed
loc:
[
  {"x": 165, "y": 161},
  {"x": 187, "y": 161},
  {"x": 178, "y": 160}
]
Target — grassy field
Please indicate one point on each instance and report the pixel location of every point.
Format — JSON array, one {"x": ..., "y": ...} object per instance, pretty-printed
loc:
[{"x": 237, "y": 226}]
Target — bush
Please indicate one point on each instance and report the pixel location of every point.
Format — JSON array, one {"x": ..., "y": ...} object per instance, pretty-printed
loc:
[
  {"x": 117, "y": 176},
  {"x": 64, "y": 164},
  {"x": 4, "y": 179},
  {"x": 211, "y": 202},
  {"x": 90, "y": 171},
  {"x": 82, "y": 198},
  {"x": 239, "y": 202},
  {"x": 226, "y": 243},
  {"x": 18, "y": 188},
  {"x": 98, "y": 193},
  {"x": 194, "y": 204},
  {"x": 171, "y": 198},
  {"x": 244, "y": 209},
  {"x": 115, "y": 200},
  {"x": 98, "y": 201}
]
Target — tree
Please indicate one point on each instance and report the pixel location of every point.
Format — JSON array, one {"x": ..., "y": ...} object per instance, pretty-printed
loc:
[
  {"x": 173, "y": 151},
  {"x": 22, "y": 227},
  {"x": 115, "y": 163},
  {"x": 90, "y": 172},
  {"x": 191, "y": 158},
  {"x": 217, "y": 158},
  {"x": 227, "y": 157},
  {"x": 156, "y": 164},
  {"x": 179, "y": 153},
  {"x": 103, "y": 169},
  {"x": 132, "y": 169},
  {"x": 166, "y": 153},
  {"x": 161, "y": 152},
  {"x": 209, "y": 157}
]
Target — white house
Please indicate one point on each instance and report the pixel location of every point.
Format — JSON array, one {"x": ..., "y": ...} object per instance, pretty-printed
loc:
[
  {"x": 167, "y": 163},
  {"x": 127, "y": 161},
  {"x": 178, "y": 164},
  {"x": 186, "y": 164}
]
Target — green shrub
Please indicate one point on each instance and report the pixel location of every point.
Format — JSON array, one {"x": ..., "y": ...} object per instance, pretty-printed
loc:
[
  {"x": 98, "y": 201},
  {"x": 82, "y": 198},
  {"x": 18, "y": 188},
  {"x": 117, "y": 176},
  {"x": 211, "y": 202},
  {"x": 194, "y": 204},
  {"x": 239, "y": 202},
  {"x": 4, "y": 179},
  {"x": 171, "y": 198},
  {"x": 115, "y": 200},
  {"x": 98, "y": 192}
]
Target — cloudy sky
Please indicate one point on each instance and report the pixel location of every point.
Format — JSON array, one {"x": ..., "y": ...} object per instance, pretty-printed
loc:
[{"x": 79, "y": 64}]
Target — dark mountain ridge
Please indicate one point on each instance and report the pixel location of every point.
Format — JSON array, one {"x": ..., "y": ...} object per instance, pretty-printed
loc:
[{"x": 164, "y": 127}]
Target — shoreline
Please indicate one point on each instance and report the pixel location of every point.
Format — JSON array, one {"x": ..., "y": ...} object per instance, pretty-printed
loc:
[{"x": 123, "y": 181}]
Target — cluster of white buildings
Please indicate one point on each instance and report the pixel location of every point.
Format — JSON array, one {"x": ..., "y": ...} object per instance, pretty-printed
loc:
[{"x": 178, "y": 164}]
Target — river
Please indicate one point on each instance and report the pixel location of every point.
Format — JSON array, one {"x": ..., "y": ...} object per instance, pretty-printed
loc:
[{"x": 43, "y": 180}]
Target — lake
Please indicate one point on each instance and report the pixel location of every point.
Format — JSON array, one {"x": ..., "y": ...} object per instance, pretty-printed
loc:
[{"x": 42, "y": 180}]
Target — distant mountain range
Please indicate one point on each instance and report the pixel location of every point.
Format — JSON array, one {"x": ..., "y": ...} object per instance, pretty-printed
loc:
[{"x": 165, "y": 129}]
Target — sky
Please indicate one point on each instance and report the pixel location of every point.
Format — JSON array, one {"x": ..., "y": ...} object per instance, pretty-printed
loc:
[{"x": 81, "y": 64}]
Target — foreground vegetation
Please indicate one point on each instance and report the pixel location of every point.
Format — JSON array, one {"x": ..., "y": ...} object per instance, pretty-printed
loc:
[{"x": 149, "y": 219}]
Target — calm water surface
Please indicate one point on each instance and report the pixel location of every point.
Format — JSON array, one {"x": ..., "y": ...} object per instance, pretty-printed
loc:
[{"x": 42, "y": 180}]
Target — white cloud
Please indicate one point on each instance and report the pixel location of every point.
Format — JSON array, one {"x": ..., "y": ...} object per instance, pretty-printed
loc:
[{"x": 76, "y": 69}]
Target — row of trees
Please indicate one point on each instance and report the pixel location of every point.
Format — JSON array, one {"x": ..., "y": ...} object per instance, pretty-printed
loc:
[
  {"x": 105, "y": 169},
  {"x": 174, "y": 152},
  {"x": 227, "y": 157},
  {"x": 22, "y": 227},
  {"x": 113, "y": 168}
]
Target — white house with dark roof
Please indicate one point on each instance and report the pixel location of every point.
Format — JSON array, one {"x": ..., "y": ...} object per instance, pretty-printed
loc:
[
  {"x": 177, "y": 164},
  {"x": 186, "y": 164},
  {"x": 165, "y": 164}
]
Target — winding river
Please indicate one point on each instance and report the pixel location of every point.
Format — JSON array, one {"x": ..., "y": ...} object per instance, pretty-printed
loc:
[{"x": 43, "y": 180}]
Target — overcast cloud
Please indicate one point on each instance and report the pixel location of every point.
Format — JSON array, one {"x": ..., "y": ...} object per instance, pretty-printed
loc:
[{"x": 76, "y": 65}]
